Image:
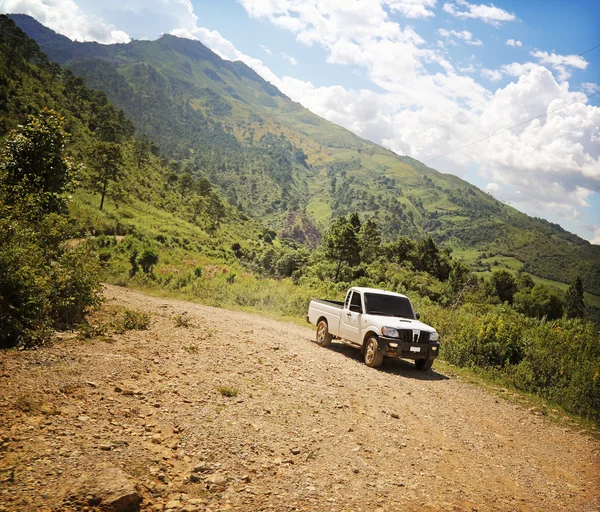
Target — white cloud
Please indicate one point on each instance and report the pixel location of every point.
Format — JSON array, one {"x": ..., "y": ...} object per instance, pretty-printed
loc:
[
  {"x": 463, "y": 35},
  {"x": 491, "y": 187},
  {"x": 513, "y": 43},
  {"x": 290, "y": 59},
  {"x": 590, "y": 88},
  {"x": 596, "y": 239},
  {"x": 413, "y": 8},
  {"x": 491, "y": 74},
  {"x": 560, "y": 63},
  {"x": 486, "y": 13},
  {"x": 65, "y": 17},
  {"x": 551, "y": 164},
  {"x": 267, "y": 51}
]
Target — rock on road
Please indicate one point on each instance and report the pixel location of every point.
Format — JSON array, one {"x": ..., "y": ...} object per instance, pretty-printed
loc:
[{"x": 153, "y": 417}]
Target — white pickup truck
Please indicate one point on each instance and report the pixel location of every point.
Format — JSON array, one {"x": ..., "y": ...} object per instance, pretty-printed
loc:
[{"x": 379, "y": 323}]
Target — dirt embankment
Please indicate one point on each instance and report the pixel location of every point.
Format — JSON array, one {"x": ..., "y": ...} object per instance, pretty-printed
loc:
[{"x": 148, "y": 413}]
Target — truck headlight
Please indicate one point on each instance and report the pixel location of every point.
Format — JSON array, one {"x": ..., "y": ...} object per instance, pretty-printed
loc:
[
  {"x": 390, "y": 332},
  {"x": 434, "y": 336}
]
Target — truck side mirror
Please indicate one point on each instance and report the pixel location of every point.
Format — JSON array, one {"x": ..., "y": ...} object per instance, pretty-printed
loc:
[{"x": 417, "y": 315}]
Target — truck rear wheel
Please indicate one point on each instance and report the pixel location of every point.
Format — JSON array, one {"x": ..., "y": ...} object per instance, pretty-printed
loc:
[
  {"x": 373, "y": 358},
  {"x": 323, "y": 336},
  {"x": 423, "y": 364}
]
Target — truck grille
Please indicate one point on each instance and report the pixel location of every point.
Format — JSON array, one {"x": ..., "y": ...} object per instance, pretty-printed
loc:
[{"x": 413, "y": 337}]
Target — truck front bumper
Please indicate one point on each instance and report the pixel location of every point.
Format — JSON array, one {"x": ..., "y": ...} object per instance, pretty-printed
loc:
[{"x": 393, "y": 347}]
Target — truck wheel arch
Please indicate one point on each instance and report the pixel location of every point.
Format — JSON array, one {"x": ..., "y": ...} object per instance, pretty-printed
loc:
[{"x": 367, "y": 335}]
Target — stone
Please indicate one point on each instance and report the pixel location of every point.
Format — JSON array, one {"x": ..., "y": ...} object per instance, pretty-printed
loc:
[
  {"x": 111, "y": 489},
  {"x": 173, "y": 505},
  {"x": 394, "y": 415},
  {"x": 156, "y": 438},
  {"x": 217, "y": 480},
  {"x": 202, "y": 468},
  {"x": 295, "y": 451},
  {"x": 194, "y": 478}
]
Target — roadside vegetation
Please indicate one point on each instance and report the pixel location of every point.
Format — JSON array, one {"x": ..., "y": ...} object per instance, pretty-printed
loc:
[{"x": 103, "y": 203}]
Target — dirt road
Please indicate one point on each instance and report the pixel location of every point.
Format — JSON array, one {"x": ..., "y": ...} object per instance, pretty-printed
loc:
[{"x": 310, "y": 428}]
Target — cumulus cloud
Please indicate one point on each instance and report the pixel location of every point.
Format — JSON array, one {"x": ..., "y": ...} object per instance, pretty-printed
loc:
[
  {"x": 560, "y": 63},
  {"x": 486, "y": 13},
  {"x": 513, "y": 43},
  {"x": 491, "y": 74},
  {"x": 413, "y": 8},
  {"x": 65, "y": 17},
  {"x": 596, "y": 239},
  {"x": 463, "y": 35},
  {"x": 590, "y": 88}
]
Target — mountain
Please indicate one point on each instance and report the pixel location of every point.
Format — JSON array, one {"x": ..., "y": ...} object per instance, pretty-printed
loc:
[{"x": 279, "y": 162}]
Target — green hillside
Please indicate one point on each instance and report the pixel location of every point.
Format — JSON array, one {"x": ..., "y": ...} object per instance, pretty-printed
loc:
[
  {"x": 273, "y": 158},
  {"x": 84, "y": 199}
]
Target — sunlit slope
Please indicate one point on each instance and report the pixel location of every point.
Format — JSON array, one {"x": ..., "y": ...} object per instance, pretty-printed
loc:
[{"x": 274, "y": 158}]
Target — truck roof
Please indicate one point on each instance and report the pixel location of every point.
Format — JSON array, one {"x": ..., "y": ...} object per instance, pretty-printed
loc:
[{"x": 375, "y": 290}]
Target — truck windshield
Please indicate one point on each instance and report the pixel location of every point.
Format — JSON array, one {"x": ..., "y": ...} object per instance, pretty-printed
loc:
[{"x": 388, "y": 305}]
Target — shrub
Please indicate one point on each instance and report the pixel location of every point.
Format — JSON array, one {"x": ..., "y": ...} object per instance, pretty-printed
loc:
[
  {"x": 148, "y": 260},
  {"x": 135, "y": 320},
  {"x": 182, "y": 320},
  {"x": 228, "y": 391}
]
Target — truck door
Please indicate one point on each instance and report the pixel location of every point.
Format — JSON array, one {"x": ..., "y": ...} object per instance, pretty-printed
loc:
[{"x": 350, "y": 321}]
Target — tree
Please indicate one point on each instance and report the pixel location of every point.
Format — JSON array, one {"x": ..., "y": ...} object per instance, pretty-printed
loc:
[
  {"x": 503, "y": 283},
  {"x": 34, "y": 170},
  {"x": 525, "y": 282},
  {"x": 186, "y": 184},
  {"x": 341, "y": 244},
  {"x": 400, "y": 250},
  {"x": 574, "y": 304},
  {"x": 43, "y": 282},
  {"x": 148, "y": 259},
  {"x": 460, "y": 276},
  {"x": 370, "y": 241},
  {"x": 141, "y": 150},
  {"x": 539, "y": 302},
  {"x": 106, "y": 164}
]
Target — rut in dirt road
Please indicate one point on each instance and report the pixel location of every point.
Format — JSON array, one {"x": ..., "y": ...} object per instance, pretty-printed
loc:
[{"x": 239, "y": 412}]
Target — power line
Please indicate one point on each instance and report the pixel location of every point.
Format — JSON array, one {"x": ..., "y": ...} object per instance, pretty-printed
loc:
[
  {"x": 502, "y": 92},
  {"x": 510, "y": 128}
]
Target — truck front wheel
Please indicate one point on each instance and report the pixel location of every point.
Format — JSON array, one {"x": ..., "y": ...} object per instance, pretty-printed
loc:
[
  {"x": 323, "y": 336},
  {"x": 373, "y": 358},
  {"x": 423, "y": 364}
]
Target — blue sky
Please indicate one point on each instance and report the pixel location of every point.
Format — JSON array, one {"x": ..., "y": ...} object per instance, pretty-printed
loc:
[{"x": 421, "y": 77}]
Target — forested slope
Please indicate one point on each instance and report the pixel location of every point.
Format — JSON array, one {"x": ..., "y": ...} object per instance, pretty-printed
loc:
[{"x": 277, "y": 160}]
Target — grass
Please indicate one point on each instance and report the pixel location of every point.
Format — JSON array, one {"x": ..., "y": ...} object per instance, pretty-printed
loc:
[
  {"x": 182, "y": 320},
  {"x": 228, "y": 391},
  {"x": 135, "y": 320}
]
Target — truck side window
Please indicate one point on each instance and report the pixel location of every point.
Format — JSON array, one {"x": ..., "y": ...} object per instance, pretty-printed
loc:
[
  {"x": 347, "y": 301},
  {"x": 355, "y": 303}
]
